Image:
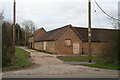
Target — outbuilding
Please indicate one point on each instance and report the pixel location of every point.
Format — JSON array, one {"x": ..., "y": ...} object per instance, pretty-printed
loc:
[{"x": 72, "y": 40}]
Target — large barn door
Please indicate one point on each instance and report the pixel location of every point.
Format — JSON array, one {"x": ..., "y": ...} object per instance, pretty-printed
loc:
[
  {"x": 75, "y": 48},
  {"x": 44, "y": 45}
]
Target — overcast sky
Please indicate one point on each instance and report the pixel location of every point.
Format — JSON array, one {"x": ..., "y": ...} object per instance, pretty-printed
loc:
[{"x": 52, "y": 14}]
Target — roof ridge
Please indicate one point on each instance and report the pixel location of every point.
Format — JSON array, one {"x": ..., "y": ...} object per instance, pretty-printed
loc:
[
  {"x": 59, "y": 28},
  {"x": 67, "y": 27},
  {"x": 54, "y": 34},
  {"x": 96, "y": 28}
]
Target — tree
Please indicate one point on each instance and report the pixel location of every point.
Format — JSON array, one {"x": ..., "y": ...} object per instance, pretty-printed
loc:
[
  {"x": 20, "y": 35},
  {"x": 8, "y": 49},
  {"x": 29, "y": 27},
  {"x": 17, "y": 33},
  {"x": 114, "y": 23},
  {"x": 110, "y": 51},
  {"x": 1, "y": 16}
]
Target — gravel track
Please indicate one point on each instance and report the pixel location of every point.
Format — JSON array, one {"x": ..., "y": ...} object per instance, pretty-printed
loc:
[{"x": 47, "y": 65}]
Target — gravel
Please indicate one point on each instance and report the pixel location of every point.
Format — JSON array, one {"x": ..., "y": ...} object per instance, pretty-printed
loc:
[{"x": 48, "y": 65}]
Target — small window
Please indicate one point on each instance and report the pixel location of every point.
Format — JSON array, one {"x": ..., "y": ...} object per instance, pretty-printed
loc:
[{"x": 68, "y": 42}]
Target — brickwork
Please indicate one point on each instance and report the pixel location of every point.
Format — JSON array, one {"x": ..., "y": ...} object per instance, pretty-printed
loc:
[
  {"x": 74, "y": 43},
  {"x": 95, "y": 46},
  {"x": 62, "y": 48},
  {"x": 50, "y": 46},
  {"x": 32, "y": 39},
  {"x": 38, "y": 45}
]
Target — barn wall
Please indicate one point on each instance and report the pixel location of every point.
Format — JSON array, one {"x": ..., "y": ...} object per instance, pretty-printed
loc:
[
  {"x": 36, "y": 35},
  {"x": 96, "y": 47},
  {"x": 50, "y": 46},
  {"x": 38, "y": 45},
  {"x": 62, "y": 48}
]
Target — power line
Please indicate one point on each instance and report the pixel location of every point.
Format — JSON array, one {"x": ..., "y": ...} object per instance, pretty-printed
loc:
[
  {"x": 105, "y": 12},
  {"x": 96, "y": 15}
]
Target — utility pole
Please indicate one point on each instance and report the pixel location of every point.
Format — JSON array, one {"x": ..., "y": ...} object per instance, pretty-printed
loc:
[
  {"x": 89, "y": 30},
  {"x": 14, "y": 20},
  {"x": 119, "y": 14},
  {"x": 18, "y": 35}
]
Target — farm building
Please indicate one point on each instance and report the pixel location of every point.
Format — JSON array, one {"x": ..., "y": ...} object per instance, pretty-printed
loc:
[
  {"x": 70, "y": 40},
  {"x": 34, "y": 36}
]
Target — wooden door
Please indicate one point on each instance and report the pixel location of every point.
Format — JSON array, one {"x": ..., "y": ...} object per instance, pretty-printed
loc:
[
  {"x": 76, "y": 48},
  {"x": 44, "y": 45}
]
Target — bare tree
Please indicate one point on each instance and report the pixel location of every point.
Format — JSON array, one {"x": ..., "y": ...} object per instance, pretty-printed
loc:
[
  {"x": 1, "y": 15},
  {"x": 114, "y": 23},
  {"x": 29, "y": 27}
]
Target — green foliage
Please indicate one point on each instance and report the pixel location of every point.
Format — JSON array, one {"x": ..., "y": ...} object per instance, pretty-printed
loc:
[
  {"x": 20, "y": 35},
  {"x": 103, "y": 65},
  {"x": 22, "y": 60},
  {"x": 81, "y": 58},
  {"x": 100, "y": 62}
]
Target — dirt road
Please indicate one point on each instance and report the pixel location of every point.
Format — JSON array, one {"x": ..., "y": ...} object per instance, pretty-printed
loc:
[{"x": 47, "y": 65}]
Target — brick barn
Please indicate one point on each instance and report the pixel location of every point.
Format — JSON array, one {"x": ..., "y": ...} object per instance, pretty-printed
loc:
[
  {"x": 34, "y": 36},
  {"x": 69, "y": 40}
]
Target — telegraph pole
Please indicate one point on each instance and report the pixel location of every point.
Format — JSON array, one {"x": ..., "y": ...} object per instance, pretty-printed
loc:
[
  {"x": 18, "y": 35},
  {"x": 89, "y": 30},
  {"x": 119, "y": 14},
  {"x": 14, "y": 20}
]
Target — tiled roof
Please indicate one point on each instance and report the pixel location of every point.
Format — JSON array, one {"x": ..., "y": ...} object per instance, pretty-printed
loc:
[
  {"x": 52, "y": 35},
  {"x": 36, "y": 32},
  {"x": 98, "y": 35}
]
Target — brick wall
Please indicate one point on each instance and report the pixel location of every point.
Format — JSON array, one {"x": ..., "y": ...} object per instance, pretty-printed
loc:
[
  {"x": 50, "y": 46},
  {"x": 59, "y": 46},
  {"x": 95, "y": 46},
  {"x": 38, "y": 45},
  {"x": 37, "y": 34},
  {"x": 62, "y": 48}
]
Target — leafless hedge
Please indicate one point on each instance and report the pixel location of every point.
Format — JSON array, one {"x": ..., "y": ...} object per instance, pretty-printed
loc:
[{"x": 8, "y": 49}]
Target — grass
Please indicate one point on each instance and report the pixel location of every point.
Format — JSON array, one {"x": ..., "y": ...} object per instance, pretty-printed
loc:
[
  {"x": 100, "y": 62},
  {"x": 22, "y": 60},
  {"x": 80, "y": 58},
  {"x": 103, "y": 65}
]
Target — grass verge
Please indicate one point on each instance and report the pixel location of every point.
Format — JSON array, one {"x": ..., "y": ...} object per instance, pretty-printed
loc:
[
  {"x": 100, "y": 62},
  {"x": 22, "y": 60},
  {"x": 80, "y": 58},
  {"x": 103, "y": 65}
]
